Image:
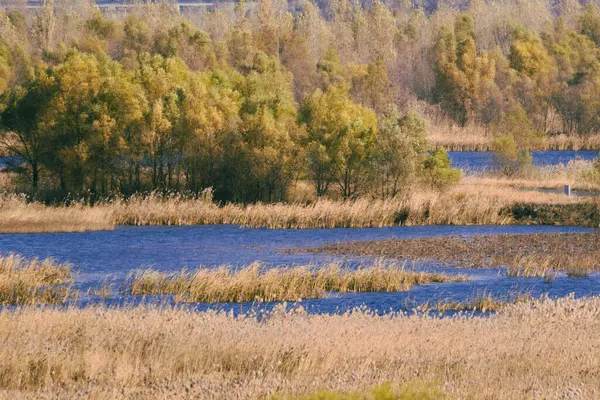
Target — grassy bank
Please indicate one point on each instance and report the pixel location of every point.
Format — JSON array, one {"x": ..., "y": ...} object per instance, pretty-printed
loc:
[
  {"x": 257, "y": 283},
  {"x": 540, "y": 349},
  {"x": 33, "y": 281},
  {"x": 476, "y": 201}
]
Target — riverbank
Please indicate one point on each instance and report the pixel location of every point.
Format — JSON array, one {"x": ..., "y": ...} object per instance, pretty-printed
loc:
[
  {"x": 464, "y": 205},
  {"x": 534, "y": 349}
]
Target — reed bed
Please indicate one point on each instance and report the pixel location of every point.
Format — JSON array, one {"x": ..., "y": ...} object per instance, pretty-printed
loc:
[
  {"x": 425, "y": 208},
  {"x": 535, "y": 255},
  {"x": 455, "y": 138},
  {"x": 19, "y": 216},
  {"x": 539, "y": 349},
  {"x": 34, "y": 281},
  {"x": 256, "y": 282},
  {"x": 475, "y": 202},
  {"x": 577, "y": 173},
  {"x": 535, "y": 265}
]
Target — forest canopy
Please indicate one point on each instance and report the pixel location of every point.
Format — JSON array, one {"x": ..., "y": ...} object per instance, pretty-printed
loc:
[{"x": 246, "y": 99}]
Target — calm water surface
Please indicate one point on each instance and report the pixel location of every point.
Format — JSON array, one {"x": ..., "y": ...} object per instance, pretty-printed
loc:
[
  {"x": 97, "y": 255},
  {"x": 482, "y": 161}
]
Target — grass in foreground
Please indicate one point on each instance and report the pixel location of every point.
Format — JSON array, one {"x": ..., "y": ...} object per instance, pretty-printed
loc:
[
  {"x": 33, "y": 281},
  {"x": 409, "y": 391},
  {"x": 483, "y": 302},
  {"x": 542, "y": 349},
  {"x": 258, "y": 283}
]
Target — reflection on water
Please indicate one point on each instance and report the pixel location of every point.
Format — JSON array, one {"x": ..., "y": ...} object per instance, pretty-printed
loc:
[{"x": 98, "y": 254}]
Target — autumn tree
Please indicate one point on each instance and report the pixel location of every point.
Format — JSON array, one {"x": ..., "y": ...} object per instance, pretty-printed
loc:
[
  {"x": 401, "y": 146},
  {"x": 340, "y": 140},
  {"x": 463, "y": 77},
  {"x": 23, "y": 131}
]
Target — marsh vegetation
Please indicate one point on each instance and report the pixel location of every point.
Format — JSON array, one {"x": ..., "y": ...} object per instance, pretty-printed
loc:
[
  {"x": 523, "y": 255},
  {"x": 259, "y": 283},
  {"x": 32, "y": 281},
  {"x": 540, "y": 348}
]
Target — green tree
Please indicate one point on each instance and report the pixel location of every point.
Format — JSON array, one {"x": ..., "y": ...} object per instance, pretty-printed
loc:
[
  {"x": 589, "y": 22},
  {"x": 464, "y": 79},
  {"x": 437, "y": 170},
  {"x": 401, "y": 148},
  {"x": 22, "y": 128},
  {"x": 340, "y": 140},
  {"x": 515, "y": 136},
  {"x": 508, "y": 158}
]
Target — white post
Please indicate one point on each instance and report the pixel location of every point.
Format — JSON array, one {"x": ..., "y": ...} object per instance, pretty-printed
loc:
[{"x": 568, "y": 190}]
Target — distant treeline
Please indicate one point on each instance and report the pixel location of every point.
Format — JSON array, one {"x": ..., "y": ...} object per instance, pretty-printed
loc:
[{"x": 246, "y": 100}]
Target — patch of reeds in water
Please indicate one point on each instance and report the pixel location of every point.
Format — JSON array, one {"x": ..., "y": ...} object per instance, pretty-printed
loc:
[
  {"x": 34, "y": 281},
  {"x": 474, "y": 139},
  {"x": 258, "y": 283},
  {"x": 546, "y": 265}
]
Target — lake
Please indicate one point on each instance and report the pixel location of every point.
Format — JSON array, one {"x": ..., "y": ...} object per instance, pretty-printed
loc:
[
  {"x": 483, "y": 160},
  {"x": 96, "y": 255}
]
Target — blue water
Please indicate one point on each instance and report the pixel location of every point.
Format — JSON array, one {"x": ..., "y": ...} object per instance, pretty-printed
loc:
[
  {"x": 98, "y": 255},
  {"x": 482, "y": 161}
]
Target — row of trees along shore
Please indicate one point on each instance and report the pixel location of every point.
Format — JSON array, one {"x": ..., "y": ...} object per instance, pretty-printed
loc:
[{"x": 249, "y": 98}]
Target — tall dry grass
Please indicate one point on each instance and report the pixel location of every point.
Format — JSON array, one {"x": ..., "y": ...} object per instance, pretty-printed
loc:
[
  {"x": 483, "y": 301},
  {"x": 541, "y": 349},
  {"x": 19, "y": 216},
  {"x": 258, "y": 283},
  {"x": 474, "y": 138},
  {"x": 479, "y": 200},
  {"x": 421, "y": 208},
  {"x": 24, "y": 281}
]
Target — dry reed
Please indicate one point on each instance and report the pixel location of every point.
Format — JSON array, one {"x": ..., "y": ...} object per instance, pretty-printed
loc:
[
  {"x": 478, "y": 201},
  {"x": 258, "y": 283},
  {"x": 540, "y": 349},
  {"x": 33, "y": 281},
  {"x": 484, "y": 302},
  {"x": 454, "y": 138},
  {"x": 524, "y": 255},
  {"x": 19, "y": 216}
]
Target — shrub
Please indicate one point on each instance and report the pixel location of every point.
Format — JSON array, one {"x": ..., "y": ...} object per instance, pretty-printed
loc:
[
  {"x": 438, "y": 171},
  {"x": 508, "y": 158}
]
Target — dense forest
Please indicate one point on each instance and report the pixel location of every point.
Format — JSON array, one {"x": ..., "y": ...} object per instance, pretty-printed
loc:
[{"x": 248, "y": 98}]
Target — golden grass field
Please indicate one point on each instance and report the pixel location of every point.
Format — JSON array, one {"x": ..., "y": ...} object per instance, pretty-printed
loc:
[
  {"x": 257, "y": 283},
  {"x": 540, "y": 349}
]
